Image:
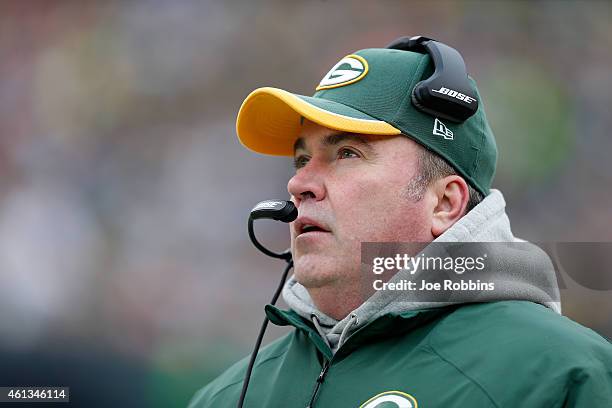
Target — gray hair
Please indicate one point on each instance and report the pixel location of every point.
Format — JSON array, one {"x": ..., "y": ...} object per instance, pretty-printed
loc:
[{"x": 432, "y": 167}]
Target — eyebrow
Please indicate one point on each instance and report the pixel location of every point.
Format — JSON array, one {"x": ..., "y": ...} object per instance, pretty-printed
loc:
[{"x": 333, "y": 140}]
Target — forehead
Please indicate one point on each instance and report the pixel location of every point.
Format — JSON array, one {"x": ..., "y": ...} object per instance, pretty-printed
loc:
[
  {"x": 314, "y": 136},
  {"x": 329, "y": 140}
]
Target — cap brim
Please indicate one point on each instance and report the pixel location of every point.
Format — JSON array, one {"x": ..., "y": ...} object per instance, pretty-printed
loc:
[{"x": 269, "y": 120}]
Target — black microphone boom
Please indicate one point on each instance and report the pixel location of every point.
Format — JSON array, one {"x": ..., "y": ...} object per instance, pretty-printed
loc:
[{"x": 279, "y": 210}]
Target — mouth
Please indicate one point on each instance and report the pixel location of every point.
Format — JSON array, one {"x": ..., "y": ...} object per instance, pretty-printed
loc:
[{"x": 305, "y": 225}]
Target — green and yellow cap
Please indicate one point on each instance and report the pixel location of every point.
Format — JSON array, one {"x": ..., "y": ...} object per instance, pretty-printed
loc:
[{"x": 369, "y": 92}]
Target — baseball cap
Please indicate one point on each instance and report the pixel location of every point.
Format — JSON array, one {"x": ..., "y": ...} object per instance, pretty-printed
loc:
[{"x": 369, "y": 92}]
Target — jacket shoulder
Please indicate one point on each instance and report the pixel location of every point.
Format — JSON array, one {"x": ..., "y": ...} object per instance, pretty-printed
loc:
[
  {"x": 510, "y": 348},
  {"x": 530, "y": 326},
  {"x": 231, "y": 379}
]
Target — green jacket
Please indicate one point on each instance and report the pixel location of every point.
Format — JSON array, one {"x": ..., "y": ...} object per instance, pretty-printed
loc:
[{"x": 498, "y": 354}]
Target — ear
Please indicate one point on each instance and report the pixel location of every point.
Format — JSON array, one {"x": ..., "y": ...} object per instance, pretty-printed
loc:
[{"x": 452, "y": 196}]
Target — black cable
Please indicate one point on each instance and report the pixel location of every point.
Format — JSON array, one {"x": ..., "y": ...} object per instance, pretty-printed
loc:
[
  {"x": 262, "y": 331},
  {"x": 283, "y": 255}
]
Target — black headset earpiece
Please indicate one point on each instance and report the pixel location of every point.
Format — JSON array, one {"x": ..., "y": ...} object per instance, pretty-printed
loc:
[{"x": 446, "y": 93}]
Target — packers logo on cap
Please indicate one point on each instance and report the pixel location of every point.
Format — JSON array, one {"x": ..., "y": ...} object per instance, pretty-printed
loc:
[{"x": 350, "y": 69}]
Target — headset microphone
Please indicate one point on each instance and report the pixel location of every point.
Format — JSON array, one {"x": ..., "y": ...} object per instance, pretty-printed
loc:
[{"x": 279, "y": 210}]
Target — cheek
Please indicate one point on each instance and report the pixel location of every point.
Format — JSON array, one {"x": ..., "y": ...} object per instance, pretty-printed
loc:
[
  {"x": 361, "y": 205},
  {"x": 375, "y": 211}
]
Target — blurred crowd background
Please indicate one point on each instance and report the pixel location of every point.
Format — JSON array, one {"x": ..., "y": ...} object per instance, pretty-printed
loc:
[{"x": 126, "y": 271}]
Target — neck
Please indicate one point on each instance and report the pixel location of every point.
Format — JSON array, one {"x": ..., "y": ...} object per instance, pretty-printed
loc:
[{"x": 334, "y": 302}]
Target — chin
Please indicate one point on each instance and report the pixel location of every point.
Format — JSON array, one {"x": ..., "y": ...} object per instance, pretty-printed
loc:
[{"x": 311, "y": 272}]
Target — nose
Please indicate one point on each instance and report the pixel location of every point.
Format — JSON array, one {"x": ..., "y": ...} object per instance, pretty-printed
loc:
[{"x": 307, "y": 183}]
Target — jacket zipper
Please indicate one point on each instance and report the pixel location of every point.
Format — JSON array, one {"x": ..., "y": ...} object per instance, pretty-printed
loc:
[
  {"x": 326, "y": 365},
  {"x": 320, "y": 380}
]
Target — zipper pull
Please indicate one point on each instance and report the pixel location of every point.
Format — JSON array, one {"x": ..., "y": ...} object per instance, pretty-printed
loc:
[
  {"x": 320, "y": 379},
  {"x": 323, "y": 372}
]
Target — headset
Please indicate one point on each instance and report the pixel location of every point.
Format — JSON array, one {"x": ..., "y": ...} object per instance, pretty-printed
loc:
[{"x": 447, "y": 92}]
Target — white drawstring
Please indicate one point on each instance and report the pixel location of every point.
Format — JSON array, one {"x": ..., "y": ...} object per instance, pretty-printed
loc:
[
  {"x": 315, "y": 321},
  {"x": 346, "y": 328},
  {"x": 353, "y": 320}
]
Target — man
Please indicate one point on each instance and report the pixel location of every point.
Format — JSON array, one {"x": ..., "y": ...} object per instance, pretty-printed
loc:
[{"x": 373, "y": 164}]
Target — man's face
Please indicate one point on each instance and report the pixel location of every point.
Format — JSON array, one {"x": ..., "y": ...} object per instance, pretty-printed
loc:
[{"x": 351, "y": 188}]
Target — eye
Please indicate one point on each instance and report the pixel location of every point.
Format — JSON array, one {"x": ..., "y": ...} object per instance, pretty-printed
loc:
[
  {"x": 300, "y": 161},
  {"x": 345, "y": 153}
]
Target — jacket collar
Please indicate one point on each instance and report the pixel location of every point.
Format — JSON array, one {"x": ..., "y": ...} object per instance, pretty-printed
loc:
[{"x": 391, "y": 324}]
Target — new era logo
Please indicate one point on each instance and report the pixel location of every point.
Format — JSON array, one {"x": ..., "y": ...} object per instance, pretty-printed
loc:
[{"x": 440, "y": 129}]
